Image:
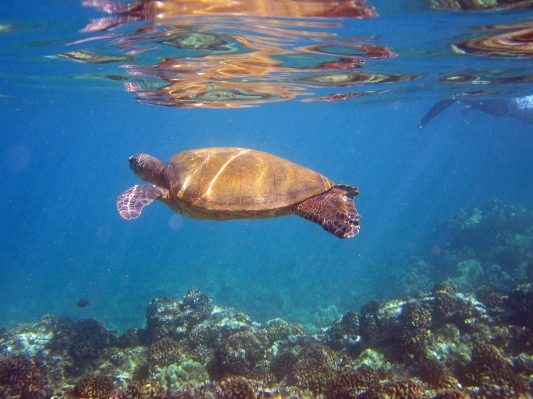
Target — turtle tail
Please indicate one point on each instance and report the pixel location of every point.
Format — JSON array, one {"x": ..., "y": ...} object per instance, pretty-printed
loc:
[
  {"x": 334, "y": 210},
  {"x": 132, "y": 201}
]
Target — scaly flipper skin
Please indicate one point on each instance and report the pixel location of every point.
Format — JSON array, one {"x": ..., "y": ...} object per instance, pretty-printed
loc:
[
  {"x": 334, "y": 210},
  {"x": 132, "y": 201}
]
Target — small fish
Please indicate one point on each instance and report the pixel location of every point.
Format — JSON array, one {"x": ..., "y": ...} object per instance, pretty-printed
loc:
[{"x": 83, "y": 302}]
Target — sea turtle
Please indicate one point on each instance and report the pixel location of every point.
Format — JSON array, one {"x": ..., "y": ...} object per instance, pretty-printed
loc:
[{"x": 236, "y": 183}]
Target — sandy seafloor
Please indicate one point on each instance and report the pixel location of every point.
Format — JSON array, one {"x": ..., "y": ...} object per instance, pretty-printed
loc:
[{"x": 65, "y": 139}]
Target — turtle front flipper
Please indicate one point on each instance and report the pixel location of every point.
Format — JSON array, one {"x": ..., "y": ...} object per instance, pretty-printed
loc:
[
  {"x": 132, "y": 201},
  {"x": 334, "y": 210}
]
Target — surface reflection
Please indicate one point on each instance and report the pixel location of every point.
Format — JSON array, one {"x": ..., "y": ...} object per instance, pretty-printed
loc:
[
  {"x": 480, "y": 4},
  {"x": 515, "y": 41},
  {"x": 221, "y": 54},
  {"x": 239, "y": 53},
  {"x": 168, "y": 9}
]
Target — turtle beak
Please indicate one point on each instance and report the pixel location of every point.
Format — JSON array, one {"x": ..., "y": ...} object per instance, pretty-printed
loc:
[{"x": 136, "y": 163}]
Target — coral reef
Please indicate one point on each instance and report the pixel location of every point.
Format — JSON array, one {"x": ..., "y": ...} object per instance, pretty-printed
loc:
[
  {"x": 193, "y": 391},
  {"x": 488, "y": 245},
  {"x": 344, "y": 332},
  {"x": 94, "y": 386},
  {"x": 235, "y": 388},
  {"x": 488, "y": 297},
  {"x": 171, "y": 318},
  {"x": 325, "y": 315},
  {"x": 240, "y": 353},
  {"x": 313, "y": 368},
  {"x": 370, "y": 323},
  {"x": 21, "y": 377},
  {"x": 175, "y": 375},
  {"x": 88, "y": 340},
  {"x": 129, "y": 339},
  {"x": 164, "y": 352},
  {"x": 348, "y": 383},
  {"x": 278, "y": 330},
  {"x": 415, "y": 277},
  {"x": 518, "y": 306},
  {"x": 439, "y": 345},
  {"x": 404, "y": 389}
]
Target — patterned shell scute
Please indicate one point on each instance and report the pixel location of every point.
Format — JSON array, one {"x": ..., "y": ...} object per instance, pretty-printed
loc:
[{"x": 236, "y": 179}]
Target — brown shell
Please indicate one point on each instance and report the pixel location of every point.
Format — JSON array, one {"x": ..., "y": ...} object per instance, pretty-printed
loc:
[{"x": 239, "y": 183}]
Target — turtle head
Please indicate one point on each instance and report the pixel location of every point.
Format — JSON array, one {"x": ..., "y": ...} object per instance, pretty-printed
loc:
[{"x": 148, "y": 168}]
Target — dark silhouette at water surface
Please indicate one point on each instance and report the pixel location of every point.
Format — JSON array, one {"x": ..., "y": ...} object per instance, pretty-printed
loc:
[{"x": 520, "y": 108}]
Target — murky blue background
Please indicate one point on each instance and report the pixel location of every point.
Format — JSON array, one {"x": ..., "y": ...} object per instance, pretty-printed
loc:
[{"x": 65, "y": 142}]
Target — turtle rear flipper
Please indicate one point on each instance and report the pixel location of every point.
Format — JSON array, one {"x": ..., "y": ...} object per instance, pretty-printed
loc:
[
  {"x": 132, "y": 201},
  {"x": 334, "y": 210}
]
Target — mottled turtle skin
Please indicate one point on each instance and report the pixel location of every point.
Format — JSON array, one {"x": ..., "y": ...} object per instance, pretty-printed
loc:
[{"x": 226, "y": 183}]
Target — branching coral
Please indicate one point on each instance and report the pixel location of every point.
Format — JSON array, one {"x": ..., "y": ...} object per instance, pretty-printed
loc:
[
  {"x": 370, "y": 323},
  {"x": 21, "y": 377},
  {"x": 239, "y": 353},
  {"x": 511, "y": 387},
  {"x": 192, "y": 391},
  {"x": 88, "y": 339},
  {"x": 488, "y": 297},
  {"x": 235, "y": 388},
  {"x": 370, "y": 394},
  {"x": 196, "y": 306},
  {"x": 203, "y": 334},
  {"x": 519, "y": 306},
  {"x": 129, "y": 339},
  {"x": 410, "y": 338},
  {"x": 164, "y": 352},
  {"x": 343, "y": 333},
  {"x": 453, "y": 393},
  {"x": 145, "y": 390},
  {"x": 285, "y": 357},
  {"x": 174, "y": 319},
  {"x": 63, "y": 328},
  {"x": 404, "y": 390},
  {"x": 94, "y": 386},
  {"x": 347, "y": 383},
  {"x": 415, "y": 316},
  {"x": 494, "y": 374},
  {"x": 163, "y": 319},
  {"x": 350, "y": 323},
  {"x": 485, "y": 358},
  {"x": 412, "y": 343},
  {"x": 279, "y": 329},
  {"x": 445, "y": 300},
  {"x": 432, "y": 372},
  {"x": 523, "y": 342},
  {"x": 314, "y": 368},
  {"x": 141, "y": 372}
]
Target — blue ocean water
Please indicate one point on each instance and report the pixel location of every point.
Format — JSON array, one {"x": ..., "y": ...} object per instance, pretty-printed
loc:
[{"x": 67, "y": 129}]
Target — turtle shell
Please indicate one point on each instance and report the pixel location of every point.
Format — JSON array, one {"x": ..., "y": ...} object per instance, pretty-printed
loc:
[{"x": 239, "y": 183}]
